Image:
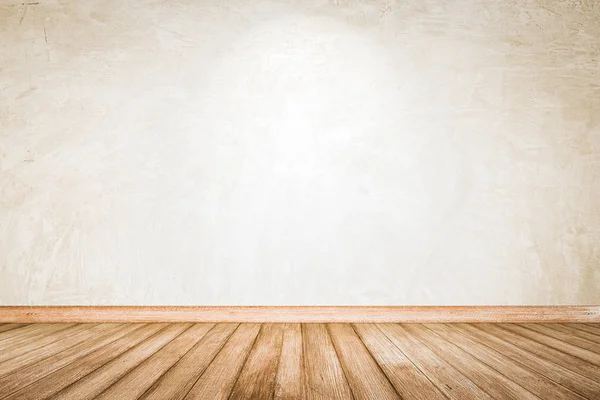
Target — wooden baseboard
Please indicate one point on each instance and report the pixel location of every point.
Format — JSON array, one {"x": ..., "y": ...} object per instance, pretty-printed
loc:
[{"x": 304, "y": 314}]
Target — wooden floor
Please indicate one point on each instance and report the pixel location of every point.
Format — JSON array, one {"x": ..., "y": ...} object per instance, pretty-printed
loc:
[{"x": 294, "y": 361}]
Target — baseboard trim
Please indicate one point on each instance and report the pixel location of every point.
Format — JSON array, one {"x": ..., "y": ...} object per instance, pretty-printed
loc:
[{"x": 304, "y": 314}]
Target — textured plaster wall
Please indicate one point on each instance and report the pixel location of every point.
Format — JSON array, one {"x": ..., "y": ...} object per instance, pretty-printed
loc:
[{"x": 299, "y": 152}]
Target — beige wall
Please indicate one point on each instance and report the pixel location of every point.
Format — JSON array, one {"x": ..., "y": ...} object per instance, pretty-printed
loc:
[{"x": 300, "y": 152}]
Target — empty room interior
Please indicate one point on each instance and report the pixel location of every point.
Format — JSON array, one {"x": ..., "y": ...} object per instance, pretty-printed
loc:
[{"x": 300, "y": 199}]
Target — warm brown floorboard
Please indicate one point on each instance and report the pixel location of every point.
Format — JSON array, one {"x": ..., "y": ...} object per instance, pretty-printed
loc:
[
  {"x": 22, "y": 344},
  {"x": 591, "y": 328},
  {"x": 447, "y": 378},
  {"x": 530, "y": 380},
  {"x": 8, "y": 338},
  {"x": 565, "y": 337},
  {"x": 8, "y": 327},
  {"x": 325, "y": 378},
  {"x": 222, "y": 373},
  {"x": 575, "y": 332},
  {"x": 521, "y": 354},
  {"x": 177, "y": 381},
  {"x": 494, "y": 383},
  {"x": 289, "y": 383},
  {"x": 100, "y": 379},
  {"x": 64, "y": 340},
  {"x": 135, "y": 383},
  {"x": 407, "y": 378},
  {"x": 300, "y": 361},
  {"x": 257, "y": 377},
  {"x": 558, "y": 344},
  {"x": 39, "y": 381}
]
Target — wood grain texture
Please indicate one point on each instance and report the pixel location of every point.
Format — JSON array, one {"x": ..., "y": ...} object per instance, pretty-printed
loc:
[
  {"x": 300, "y": 314},
  {"x": 257, "y": 377},
  {"x": 495, "y": 384},
  {"x": 9, "y": 327},
  {"x": 66, "y": 340},
  {"x": 530, "y": 380},
  {"x": 226, "y": 366},
  {"x": 301, "y": 361},
  {"x": 566, "y": 337},
  {"x": 568, "y": 361},
  {"x": 591, "y": 328},
  {"x": 49, "y": 376},
  {"x": 177, "y": 381},
  {"x": 409, "y": 381},
  {"x": 566, "y": 377},
  {"x": 96, "y": 382},
  {"x": 27, "y": 333},
  {"x": 325, "y": 377},
  {"x": 557, "y": 344},
  {"x": 289, "y": 384},
  {"x": 138, "y": 380},
  {"x": 575, "y": 332},
  {"x": 447, "y": 378},
  {"x": 25, "y": 343},
  {"x": 364, "y": 375}
]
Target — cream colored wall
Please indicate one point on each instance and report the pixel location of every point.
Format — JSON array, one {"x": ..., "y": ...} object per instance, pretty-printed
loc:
[{"x": 299, "y": 152}]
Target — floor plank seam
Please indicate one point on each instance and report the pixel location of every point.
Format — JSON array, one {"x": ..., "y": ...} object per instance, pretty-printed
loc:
[
  {"x": 245, "y": 360},
  {"x": 442, "y": 361},
  {"x": 71, "y": 362},
  {"x": 570, "y": 368},
  {"x": 143, "y": 361},
  {"x": 211, "y": 360},
  {"x": 413, "y": 363},
  {"x": 523, "y": 365},
  {"x": 151, "y": 387},
  {"x": 555, "y": 348},
  {"x": 49, "y": 343},
  {"x": 375, "y": 361},
  {"x": 112, "y": 359},
  {"x": 574, "y": 337},
  {"x": 274, "y": 385},
  {"x": 488, "y": 365},
  {"x": 440, "y": 389},
  {"x": 42, "y": 347},
  {"x": 486, "y": 391},
  {"x": 337, "y": 354}
]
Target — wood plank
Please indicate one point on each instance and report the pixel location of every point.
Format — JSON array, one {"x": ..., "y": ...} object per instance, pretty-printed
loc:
[
  {"x": 569, "y": 379},
  {"x": 494, "y": 383},
  {"x": 568, "y": 361},
  {"x": 324, "y": 374},
  {"x": 569, "y": 329},
  {"x": 226, "y": 366},
  {"x": 565, "y": 337},
  {"x": 177, "y": 382},
  {"x": 7, "y": 339},
  {"x": 137, "y": 381},
  {"x": 52, "y": 333},
  {"x": 410, "y": 382},
  {"x": 54, "y": 373},
  {"x": 9, "y": 327},
  {"x": 24, "y": 330},
  {"x": 295, "y": 314},
  {"x": 96, "y": 382},
  {"x": 365, "y": 377},
  {"x": 257, "y": 377},
  {"x": 289, "y": 384},
  {"x": 77, "y": 334},
  {"x": 447, "y": 378},
  {"x": 588, "y": 328},
  {"x": 534, "y": 382},
  {"x": 557, "y": 344}
]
